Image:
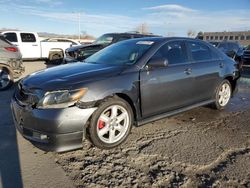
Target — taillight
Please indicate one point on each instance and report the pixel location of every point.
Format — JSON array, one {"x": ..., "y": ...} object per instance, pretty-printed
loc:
[{"x": 11, "y": 49}]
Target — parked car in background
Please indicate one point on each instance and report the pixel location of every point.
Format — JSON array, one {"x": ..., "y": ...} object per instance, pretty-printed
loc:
[
  {"x": 11, "y": 66},
  {"x": 131, "y": 82},
  {"x": 79, "y": 53},
  {"x": 32, "y": 47},
  {"x": 246, "y": 57},
  {"x": 231, "y": 49}
]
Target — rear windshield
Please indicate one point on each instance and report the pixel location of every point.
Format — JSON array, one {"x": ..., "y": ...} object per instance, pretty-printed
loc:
[{"x": 3, "y": 39}]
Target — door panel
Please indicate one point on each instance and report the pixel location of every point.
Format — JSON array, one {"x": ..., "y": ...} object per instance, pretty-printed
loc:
[
  {"x": 206, "y": 79},
  {"x": 29, "y": 45},
  {"x": 206, "y": 69},
  {"x": 165, "y": 89}
]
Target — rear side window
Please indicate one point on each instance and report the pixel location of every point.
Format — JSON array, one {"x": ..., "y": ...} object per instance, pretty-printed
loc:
[
  {"x": 28, "y": 37},
  {"x": 199, "y": 51},
  {"x": 10, "y": 37},
  {"x": 174, "y": 52}
]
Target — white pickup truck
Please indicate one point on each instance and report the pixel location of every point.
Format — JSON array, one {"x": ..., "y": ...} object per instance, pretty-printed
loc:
[{"x": 32, "y": 47}]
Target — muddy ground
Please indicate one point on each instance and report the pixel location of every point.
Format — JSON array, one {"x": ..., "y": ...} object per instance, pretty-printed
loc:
[{"x": 199, "y": 148}]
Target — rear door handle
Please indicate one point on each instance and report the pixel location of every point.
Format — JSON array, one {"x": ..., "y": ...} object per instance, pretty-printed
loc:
[
  {"x": 34, "y": 45},
  {"x": 188, "y": 71}
]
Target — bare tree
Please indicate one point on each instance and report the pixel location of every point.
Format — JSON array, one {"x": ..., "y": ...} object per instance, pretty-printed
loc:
[
  {"x": 191, "y": 33},
  {"x": 142, "y": 28}
]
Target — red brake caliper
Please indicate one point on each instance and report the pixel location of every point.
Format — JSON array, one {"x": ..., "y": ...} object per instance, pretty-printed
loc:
[{"x": 101, "y": 124}]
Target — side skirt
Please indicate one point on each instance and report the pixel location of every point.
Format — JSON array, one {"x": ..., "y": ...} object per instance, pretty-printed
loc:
[{"x": 171, "y": 113}]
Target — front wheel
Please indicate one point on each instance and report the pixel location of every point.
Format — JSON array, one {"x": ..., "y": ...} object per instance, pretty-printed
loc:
[
  {"x": 223, "y": 95},
  {"x": 111, "y": 123}
]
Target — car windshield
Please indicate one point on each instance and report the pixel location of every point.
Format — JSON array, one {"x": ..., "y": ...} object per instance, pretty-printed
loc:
[
  {"x": 122, "y": 53},
  {"x": 104, "y": 39}
]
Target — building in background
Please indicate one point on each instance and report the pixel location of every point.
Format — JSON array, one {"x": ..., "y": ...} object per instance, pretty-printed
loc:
[{"x": 243, "y": 37}]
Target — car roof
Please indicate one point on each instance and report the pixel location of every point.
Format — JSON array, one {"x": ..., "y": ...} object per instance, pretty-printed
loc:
[
  {"x": 131, "y": 33},
  {"x": 162, "y": 39}
]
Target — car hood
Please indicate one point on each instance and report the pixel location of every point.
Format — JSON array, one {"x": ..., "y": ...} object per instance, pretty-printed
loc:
[
  {"x": 69, "y": 76},
  {"x": 89, "y": 46}
]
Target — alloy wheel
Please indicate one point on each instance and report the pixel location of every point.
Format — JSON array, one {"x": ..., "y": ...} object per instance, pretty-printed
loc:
[
  {"x": 224, "y": 94},
  {"x": 113, "y": 124}
]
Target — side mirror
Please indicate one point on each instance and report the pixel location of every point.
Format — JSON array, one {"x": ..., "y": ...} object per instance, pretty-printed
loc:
[{"x": 157, "y": 62}]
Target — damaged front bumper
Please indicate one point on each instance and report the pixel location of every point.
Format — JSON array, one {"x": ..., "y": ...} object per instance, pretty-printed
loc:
[{"x": 56, "y": 130}]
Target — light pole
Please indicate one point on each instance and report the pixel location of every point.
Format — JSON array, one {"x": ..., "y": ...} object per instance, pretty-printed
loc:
[
  {"x": 78, "y": 15},
  {"x": 79, "y": 26}
]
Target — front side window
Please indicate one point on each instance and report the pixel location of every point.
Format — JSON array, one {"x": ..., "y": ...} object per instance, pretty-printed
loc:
[
  {"x": 174, "y": 52},
  {"x": 223, "y": 46},
  {"x": 28, "y": 37},
  {"x": 199, "y": 51},
  {"x": 233, "y": 46},
  {"x": 10, "y": 37}
]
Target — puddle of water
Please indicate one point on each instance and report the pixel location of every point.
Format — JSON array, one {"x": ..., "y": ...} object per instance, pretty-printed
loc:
[{"x": 245, "y": 80}]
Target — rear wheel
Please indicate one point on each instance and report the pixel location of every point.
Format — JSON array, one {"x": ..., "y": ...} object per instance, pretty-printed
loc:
[
  {"x": 111, "y": 123},
  {"x": 6, "y": 78},
  {"x": 223, "y": 95},
  {"x": 55, "y": 57}
]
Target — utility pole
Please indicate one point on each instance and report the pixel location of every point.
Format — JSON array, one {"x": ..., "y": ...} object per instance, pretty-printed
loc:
[{"x": 79, "y": 26}]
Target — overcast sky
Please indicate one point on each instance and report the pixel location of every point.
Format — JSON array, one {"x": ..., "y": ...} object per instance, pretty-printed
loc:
[{"x": 102, "y": 16}]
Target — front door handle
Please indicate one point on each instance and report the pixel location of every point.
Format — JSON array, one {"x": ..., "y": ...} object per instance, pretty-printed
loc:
[
  {"x": 221, "y": 65},
  {"x": 188, "y": 71}
]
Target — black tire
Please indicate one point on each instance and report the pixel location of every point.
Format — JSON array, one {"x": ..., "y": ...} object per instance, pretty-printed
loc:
[
  {"x": 55, "y": 57},
  {"x": 93, "y": 126},
  {"x": 217, "y": 105},
  {"x": 11, "y": 78}
]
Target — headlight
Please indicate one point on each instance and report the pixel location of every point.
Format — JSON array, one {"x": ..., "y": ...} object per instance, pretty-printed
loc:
[{"x": 61, "y": 99}]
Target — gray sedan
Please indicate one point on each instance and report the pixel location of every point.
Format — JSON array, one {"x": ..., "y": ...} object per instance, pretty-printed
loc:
[{"x": 128, "y": 83}]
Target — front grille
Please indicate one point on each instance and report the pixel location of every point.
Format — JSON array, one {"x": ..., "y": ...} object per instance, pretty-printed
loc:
[
  {"x": 246, "y": 53},
  {"x": 25, "y": 97}
]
